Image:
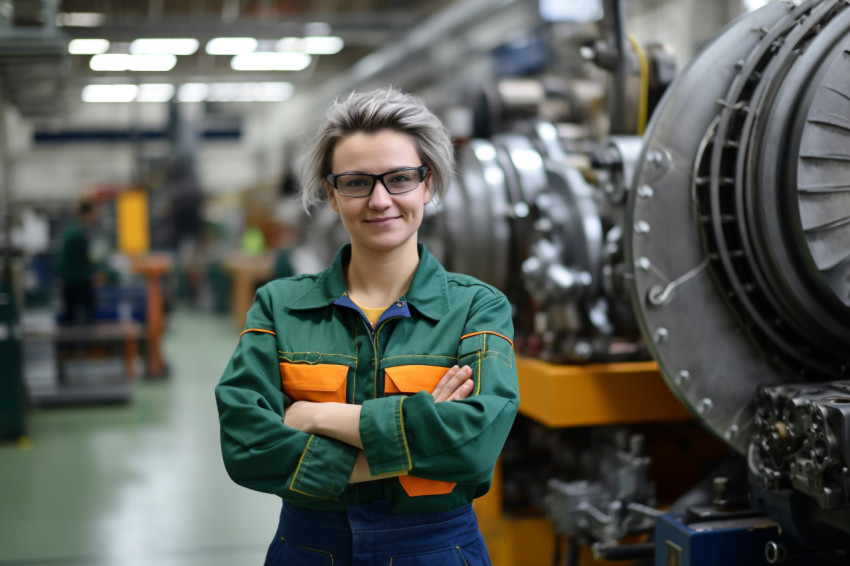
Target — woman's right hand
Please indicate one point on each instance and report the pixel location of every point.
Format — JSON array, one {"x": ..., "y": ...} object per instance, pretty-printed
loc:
[{"x": 456, "y": 384}]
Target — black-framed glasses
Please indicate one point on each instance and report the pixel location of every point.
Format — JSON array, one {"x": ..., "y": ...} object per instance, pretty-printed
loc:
[{"x": 397, "y": 181}]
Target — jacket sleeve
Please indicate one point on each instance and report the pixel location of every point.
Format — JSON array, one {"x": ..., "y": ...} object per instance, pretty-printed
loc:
[
  {"x": 457, "y": 441},
  {"x": 259, "y": 451}
]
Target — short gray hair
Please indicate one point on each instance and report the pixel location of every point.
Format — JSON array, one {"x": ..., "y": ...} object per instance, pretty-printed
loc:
[{"x": 371, "y": 112}]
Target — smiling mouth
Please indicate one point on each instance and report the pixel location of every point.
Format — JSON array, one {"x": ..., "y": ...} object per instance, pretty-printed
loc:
[{"x": 381, "y": 221}]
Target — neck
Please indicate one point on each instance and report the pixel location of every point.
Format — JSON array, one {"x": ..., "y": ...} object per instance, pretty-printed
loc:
[{"x": 376, "y": 279}]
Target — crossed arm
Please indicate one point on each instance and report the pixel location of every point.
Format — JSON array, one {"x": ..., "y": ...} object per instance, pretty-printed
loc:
[{"x": 342, "y": 421}]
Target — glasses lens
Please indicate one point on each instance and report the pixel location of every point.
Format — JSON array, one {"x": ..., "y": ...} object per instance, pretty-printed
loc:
[
  {"x": 402, "y": 180},
  {"x": 354, "y": 185}
]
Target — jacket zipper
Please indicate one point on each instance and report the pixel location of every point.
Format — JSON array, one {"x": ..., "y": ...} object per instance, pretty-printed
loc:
[{"x": 374, "y": 332}]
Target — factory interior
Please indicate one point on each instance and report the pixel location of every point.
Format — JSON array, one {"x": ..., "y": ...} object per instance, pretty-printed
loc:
[{"x": 661, "y": 188}]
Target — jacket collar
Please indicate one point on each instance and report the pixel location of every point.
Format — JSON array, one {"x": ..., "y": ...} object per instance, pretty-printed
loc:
[{"x": 428, "y": 291}]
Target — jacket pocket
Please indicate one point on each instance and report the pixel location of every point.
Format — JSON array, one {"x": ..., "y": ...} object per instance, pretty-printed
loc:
[
  {"x": 414, "y": 486},
  {"x": 412, "y": 379},
  {"x": 314, "y": 382}
]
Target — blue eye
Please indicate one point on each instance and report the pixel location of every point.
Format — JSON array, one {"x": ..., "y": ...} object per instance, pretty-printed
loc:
[
  {"x": 399, "y": 179},
  {"x": 353, "y": 182}
]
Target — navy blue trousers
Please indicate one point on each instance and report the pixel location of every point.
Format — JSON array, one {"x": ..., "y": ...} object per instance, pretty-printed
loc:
[{"x": 367, "y": 535}]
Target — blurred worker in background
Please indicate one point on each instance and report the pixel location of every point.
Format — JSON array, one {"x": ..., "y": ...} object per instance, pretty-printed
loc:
[
  {"x": 76, "y": 269},
  {"x": 375, "y": 396}
]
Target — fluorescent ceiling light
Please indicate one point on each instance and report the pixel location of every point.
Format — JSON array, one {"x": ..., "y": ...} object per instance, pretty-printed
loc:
[
  {"x": 88, "y": 46},
  {"x": 80, "y": 19},
  {"x": 231, "y": 45},
  {"x": 170, "y": 45},
  {"x": 575, "y": 11},
  {"x": 270, "y": 91},
  {"x": 290, "y": 44},
  {"x": 752, "y": 5},
  {"x": 224, "y": 92},
  {"x": 155, "y": 92},
  {"x": 250, "y": 92},
  {"x": 193, "y": 92},
  {"x": 120, "y": 62},
  {"x": 323, "y": 45},
  {"x": 317, "y": 28},
  {"x": 313, "y": 45},
  {"x": 109, "y": 93},
  {"x": 235, "y": 92},
  {"x": 270, "y": 61}
]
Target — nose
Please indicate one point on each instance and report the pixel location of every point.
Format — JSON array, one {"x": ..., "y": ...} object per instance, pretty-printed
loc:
[{"x": 380, "y": 197}]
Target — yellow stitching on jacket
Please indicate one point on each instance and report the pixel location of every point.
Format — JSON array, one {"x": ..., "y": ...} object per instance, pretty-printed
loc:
[
  {"x": 501, "y": 358},
  {"x": 403, "y": 435},
  {"x": 480, "y": 360},
  {"x": 354, "y": 379},
  {"x": 302, "y": 362},
  {"x": 376, "y": 346},
  {"x": 283, "y": 354},
  {"x": 298, "y": 467},
  {"x": 427, "y": 356}
]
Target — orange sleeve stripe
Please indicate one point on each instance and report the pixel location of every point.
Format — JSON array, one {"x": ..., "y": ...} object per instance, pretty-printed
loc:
[
  {"x": 488, "y": 332},
  {"x": 257, "y": 330}
]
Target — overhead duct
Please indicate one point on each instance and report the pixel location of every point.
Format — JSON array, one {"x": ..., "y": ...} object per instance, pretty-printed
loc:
[{"x": 395, "y": 59}]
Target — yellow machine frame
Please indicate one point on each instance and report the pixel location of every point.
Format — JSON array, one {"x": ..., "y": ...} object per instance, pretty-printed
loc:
[{"x": 560, "y": 396}]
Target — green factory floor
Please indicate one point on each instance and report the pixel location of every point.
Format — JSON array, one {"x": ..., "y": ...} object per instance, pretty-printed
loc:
[{"x": 136, "y": 484}]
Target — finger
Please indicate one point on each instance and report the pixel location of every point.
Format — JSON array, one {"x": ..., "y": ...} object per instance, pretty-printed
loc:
[
  {"x": 452, "y": 382},
  {"x": 455, "y": 381},
  {"x": 464, "y": 390},
  {"x": 442, "y": 390}
]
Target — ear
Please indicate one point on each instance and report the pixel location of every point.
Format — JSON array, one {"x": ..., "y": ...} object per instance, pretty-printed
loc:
[
  {"x": 331, "y": 195},
  {"x": 427, "y": 182}
]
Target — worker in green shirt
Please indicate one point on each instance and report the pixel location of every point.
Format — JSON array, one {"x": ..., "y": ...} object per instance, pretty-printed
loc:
[
  {"x": 373, "y": 397},
  {"x": 76, "y": 269}
]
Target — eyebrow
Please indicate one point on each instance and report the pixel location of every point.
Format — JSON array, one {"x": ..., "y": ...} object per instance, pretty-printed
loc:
[{"x": 381, "y": 173}]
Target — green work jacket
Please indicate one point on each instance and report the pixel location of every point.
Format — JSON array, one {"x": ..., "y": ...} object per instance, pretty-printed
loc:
[
  {"x": 74, "y": 263},
  {"x": 306, "y": 340}
]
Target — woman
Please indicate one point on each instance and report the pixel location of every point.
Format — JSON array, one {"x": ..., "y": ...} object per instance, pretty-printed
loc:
[{"x": 373, "y": 397}]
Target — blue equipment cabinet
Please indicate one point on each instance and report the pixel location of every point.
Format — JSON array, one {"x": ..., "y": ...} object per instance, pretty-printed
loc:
[{"x": 710, "y": 540}]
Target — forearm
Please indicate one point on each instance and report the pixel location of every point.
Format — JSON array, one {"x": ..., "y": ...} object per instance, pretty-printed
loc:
[
  {"x": 361, "y": 473},
  {"x": 339, "y": 421}
]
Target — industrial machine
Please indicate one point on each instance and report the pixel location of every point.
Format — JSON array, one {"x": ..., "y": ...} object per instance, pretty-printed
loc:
[{"x": 717, "y": 244}]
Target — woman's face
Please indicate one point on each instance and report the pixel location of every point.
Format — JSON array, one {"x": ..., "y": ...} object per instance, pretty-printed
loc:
[{"x": 381, "y": 221}]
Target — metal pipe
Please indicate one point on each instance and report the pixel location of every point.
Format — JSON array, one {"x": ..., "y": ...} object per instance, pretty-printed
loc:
[
  {"x": 614, "y": 21},
  {"x": 442, "y": 25},
  {"x": 628, "y": 551}
]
